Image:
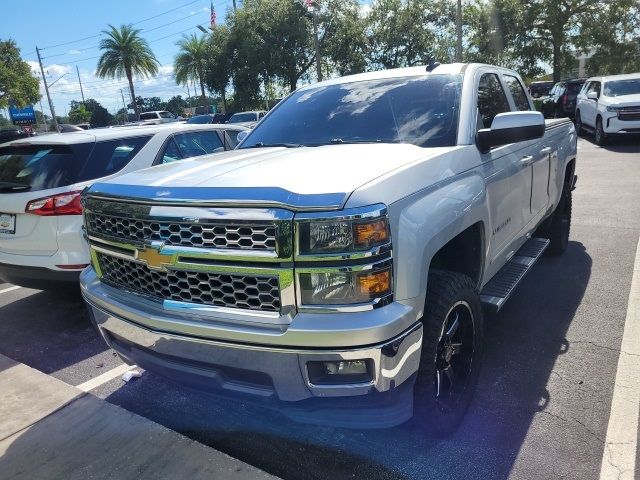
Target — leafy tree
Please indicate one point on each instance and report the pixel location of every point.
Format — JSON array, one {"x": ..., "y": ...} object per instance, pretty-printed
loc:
[
  {"x": 80, "y": 114},
  {"x": 407, "y": 32},
  {"x": 176, "y": 105},
  {"x": 190, "y": 62},
  {"x": 344, "y": 41},
  {"x": 4, "y": 122},
  {"x": 100, "y": 116},
  {"x": 218, "y": 68},
  {"x": 17, "y": 83},
  {"x": 126, "y": 54}
]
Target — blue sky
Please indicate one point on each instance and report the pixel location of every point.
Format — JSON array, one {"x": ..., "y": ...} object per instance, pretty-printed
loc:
[{"x": 54, "y": 22}]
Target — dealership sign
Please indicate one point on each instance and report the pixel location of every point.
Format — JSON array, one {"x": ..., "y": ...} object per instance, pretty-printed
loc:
[{"x": 22, "y": 116}]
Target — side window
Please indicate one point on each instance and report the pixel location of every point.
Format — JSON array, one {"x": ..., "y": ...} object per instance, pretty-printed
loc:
[
  {"x": 111, "y": 156},
  {"x": 585, "y": 88},
  {"x": 517, "y": 91},
  {"x": 193, "y": 144},
  {"x": 596, "y": 88},
  {"x": 171, "y": 152},
  {"x": 232, "y": 138},
  {"x": 260, "y": 115},
  {"x": 491, "y": 100}
]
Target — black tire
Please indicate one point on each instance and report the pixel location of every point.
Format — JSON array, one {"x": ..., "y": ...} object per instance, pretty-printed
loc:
[
  {"x": 600, "y": 135},
  {"x": 558, "y": 226},
  {"x": 451, "y": 355},
  {"x": 578, "y": 123}
]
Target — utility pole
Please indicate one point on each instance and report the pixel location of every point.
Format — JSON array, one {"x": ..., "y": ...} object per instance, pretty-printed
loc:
[
  {"x": 459, "y": 32},
  {"x": 46, "y": 89},
  {"x": 80, "y": 82},
  {"x": 124, "y": 105},
  {"x": 234, "y": 5}
]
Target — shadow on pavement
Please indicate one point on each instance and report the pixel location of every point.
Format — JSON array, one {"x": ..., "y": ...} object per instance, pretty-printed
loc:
[
  {"x": 48, "y": 331},
  {"x": 619, "y": 144},
  {"x": 523, "y": 342}
]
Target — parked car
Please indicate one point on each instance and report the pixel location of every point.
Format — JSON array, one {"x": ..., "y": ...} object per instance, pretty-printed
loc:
[
  {"x": 68, "y": 128},
  {"x": 338, "y": 261},
  {"x": 207, "y": 118},
  {"x": 609, "y": 106},
  {"x": 561, "y": 101},
  {"x": 41, "y": 179},
  {"x": 157, "y": 117},
  {"x": 540, "y": 89},
  {"x": 248, "y": 119},
  {"x": 12, "y": 133}
]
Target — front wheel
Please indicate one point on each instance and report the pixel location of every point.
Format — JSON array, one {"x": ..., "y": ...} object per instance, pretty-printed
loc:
[{"x": 451, "y": 351}]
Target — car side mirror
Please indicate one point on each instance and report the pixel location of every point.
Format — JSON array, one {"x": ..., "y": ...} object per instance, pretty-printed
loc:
[
  {"x": 511, "y": 127},
  {"x": 593, "y": 96},
  {"x": 242, "y": 135}
]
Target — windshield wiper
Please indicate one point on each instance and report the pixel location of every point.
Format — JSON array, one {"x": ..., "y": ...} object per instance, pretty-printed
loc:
[
  {"x": 286, "y": 145},
  {"x": 14, "y": 186}
]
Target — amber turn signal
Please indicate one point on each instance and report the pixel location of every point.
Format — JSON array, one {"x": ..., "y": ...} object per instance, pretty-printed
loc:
[
  {"x": 370, "y": 233},
  {"x": 374, "y": 284}
]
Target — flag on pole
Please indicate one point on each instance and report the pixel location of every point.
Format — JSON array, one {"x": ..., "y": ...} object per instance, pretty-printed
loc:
[{"x": 213, "y": 15}]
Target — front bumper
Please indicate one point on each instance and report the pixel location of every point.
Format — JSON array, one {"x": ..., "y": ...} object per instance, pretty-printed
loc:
[
  {"x": 272, "y": 374},
  {"x": 614, "y": 125}
]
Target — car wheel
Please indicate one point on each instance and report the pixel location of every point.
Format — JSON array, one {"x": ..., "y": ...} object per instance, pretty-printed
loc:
[
  {"x": 451, "y": 352},
  {"x": 578, "y": 122},
  {"x": 600, "y": 135},
  {"x": 558, "y": 226}
]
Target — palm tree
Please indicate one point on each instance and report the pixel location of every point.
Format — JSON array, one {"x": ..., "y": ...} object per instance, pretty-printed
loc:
[
  {"x": 126, "y": 53},
  {"x": 189, "y": 63}
]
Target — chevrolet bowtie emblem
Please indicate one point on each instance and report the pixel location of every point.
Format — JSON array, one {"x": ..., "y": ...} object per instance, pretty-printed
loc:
[{"x": 151, "y": 255}]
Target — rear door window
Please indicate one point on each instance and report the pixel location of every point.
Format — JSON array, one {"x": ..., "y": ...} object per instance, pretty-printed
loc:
[
  {"x": 232, "y": 138},
  {"x": 41, "y": 167},
  {"x": 171, "y": 152},
  {"x": 517, "y": 92},
  {"x": 193, "y": 144}
]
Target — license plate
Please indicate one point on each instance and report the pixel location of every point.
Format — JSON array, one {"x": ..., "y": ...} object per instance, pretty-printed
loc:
[{"x": 7, "y": 223}]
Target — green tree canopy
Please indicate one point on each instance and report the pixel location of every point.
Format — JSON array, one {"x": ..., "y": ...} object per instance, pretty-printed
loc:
[
  {"x": 79, "y": 114},
  {"x": 17, "y": 83},
  {"x": 100, "y": 116},
  {"x": 219, "y": 68},
  {"x": 126, "y": 54}
]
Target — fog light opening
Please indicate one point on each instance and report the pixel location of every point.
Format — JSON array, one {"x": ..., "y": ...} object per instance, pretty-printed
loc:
[{"x": 340, "y": 372}]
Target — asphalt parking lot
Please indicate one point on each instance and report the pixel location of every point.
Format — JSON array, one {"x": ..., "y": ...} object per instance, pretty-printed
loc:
[{"x": 545, "y": 393}]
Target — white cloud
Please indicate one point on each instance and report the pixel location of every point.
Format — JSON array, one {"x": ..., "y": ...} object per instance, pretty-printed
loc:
[{"x": 74, "y": 52}]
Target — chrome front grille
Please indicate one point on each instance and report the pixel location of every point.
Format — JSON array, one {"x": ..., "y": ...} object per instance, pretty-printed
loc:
[
  {"x": 205, "y": 288},
  {"x": 252, "y": 236},
  {"x": 629, "y": 113}
]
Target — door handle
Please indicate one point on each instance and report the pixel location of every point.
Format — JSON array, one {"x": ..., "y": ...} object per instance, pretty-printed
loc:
[
  {"x": 526, "y": 160},
  {"x": 545, "y": 151}
]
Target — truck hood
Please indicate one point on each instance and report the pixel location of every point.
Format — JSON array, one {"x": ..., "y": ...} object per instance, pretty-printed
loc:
[
  {"x": 297, "y": 178},
  {"x": 622, "y": 100}
]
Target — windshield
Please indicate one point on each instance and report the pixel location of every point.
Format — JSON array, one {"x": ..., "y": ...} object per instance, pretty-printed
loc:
[
  {"x": 40, "y": 167},
  {"x": 166, "y": 115},
  {"x": 418, "y": 110},
  {"x": 242, "y": 117},
  {"x": 617, "y": 88},
  {"x": 200, "y": 119}
]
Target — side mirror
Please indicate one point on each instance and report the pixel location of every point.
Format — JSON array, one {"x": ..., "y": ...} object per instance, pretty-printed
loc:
[
  {"x": 593, "y": 96},
  {"x": 511, "y": 127},
  {"x": 242, "y": 135}
]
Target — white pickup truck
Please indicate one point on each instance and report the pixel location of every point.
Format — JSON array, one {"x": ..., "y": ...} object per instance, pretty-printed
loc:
[{"x": 338, "y": 262}]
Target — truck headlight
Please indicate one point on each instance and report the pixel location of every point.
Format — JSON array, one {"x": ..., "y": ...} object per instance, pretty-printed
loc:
[
  {"x": 345, "y": 286},
  {"x": 611, "y": 108},
  {"x": 331, "y": 249},
  {"x": 354, "y": 232}
]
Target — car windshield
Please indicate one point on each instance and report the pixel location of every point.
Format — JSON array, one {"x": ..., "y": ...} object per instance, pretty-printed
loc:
[
  {"x": 166, "y": 115},
  {"x": 617, "y": 88},
  {"x": 242, "y": 117},
  {"x": 199, "y": 119},
  {"x": 40, "y": 167},
  {"x": 419, "y": 110}
]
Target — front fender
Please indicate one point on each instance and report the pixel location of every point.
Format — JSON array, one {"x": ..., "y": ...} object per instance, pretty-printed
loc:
[{"x": 426, "y": 221}]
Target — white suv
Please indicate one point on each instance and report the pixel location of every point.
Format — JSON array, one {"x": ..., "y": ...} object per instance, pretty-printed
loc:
[
  {"x": 609, "y": 105},
  {"x": 41, "y": 178}
]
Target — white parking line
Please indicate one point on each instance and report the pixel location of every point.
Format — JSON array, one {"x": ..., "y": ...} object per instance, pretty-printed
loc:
[
  {"x": 619, "y": 456},
  {"x": 105, "y": 377},
  {"x": 10, "y": 289}
]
